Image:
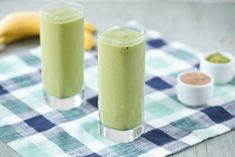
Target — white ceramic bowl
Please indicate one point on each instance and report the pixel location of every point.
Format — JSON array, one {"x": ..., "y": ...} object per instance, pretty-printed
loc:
[
  {"x": 194, "y": 95},
  {"x": 222, "y": 73}
]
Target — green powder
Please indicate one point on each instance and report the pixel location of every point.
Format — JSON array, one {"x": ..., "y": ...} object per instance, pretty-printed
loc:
[{"x": 218, "y": 58}]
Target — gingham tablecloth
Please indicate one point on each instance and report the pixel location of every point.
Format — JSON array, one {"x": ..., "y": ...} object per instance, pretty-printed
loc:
[{"x": 32, "y": 128}]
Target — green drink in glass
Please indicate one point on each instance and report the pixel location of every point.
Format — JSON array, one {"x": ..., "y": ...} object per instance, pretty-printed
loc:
[
  {"x": 121, "y": 67},
  {"x": 62, "y": 43}
]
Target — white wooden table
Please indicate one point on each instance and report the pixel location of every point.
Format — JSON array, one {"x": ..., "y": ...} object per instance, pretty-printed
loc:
[{"x": 204, "y": 26}]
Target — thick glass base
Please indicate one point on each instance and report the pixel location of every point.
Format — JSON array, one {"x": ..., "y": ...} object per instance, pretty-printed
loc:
[
  {"x": 63, "y": 104},
  {"x": 120, "y": 135}
]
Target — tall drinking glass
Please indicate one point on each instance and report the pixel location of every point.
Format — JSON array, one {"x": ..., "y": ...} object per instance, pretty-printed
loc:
[
  {"x": 121, "y": 66},
  {"x": 62, "y": 39}
]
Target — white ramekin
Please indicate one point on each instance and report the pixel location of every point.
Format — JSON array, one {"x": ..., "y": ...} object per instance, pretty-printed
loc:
[
  {"x": 194, "y": 95},
  {"x": 222, "y": 73}
]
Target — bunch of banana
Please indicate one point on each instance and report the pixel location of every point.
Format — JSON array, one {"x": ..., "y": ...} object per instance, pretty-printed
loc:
[
  {"x": 89, "y": 36},
  {"x": 21, "y": 25}
]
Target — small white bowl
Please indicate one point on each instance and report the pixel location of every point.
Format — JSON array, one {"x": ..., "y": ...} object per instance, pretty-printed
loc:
[
  {"x": 222, "y": 73},
  {"x": 194, "y": 95}
]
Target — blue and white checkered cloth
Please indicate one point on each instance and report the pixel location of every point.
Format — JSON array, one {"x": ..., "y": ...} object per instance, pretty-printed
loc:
[{"x": 32, "y": 128}]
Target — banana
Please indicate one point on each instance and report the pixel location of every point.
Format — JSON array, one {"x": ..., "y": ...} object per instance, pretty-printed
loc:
[
  {"x": 21, "y": 25},
  {"x": 89, "y": 41},
  {"x": 90, "y": 27}
]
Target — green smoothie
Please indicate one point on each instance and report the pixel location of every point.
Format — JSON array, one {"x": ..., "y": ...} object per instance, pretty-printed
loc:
[
  {"x": 121, "y": 65},
  {"x": 62, "y": 39}
]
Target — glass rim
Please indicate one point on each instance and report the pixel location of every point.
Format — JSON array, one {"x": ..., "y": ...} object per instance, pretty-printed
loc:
[
  {"x": 116, "y": 42},
  {"x": 44, "y": 9}
]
